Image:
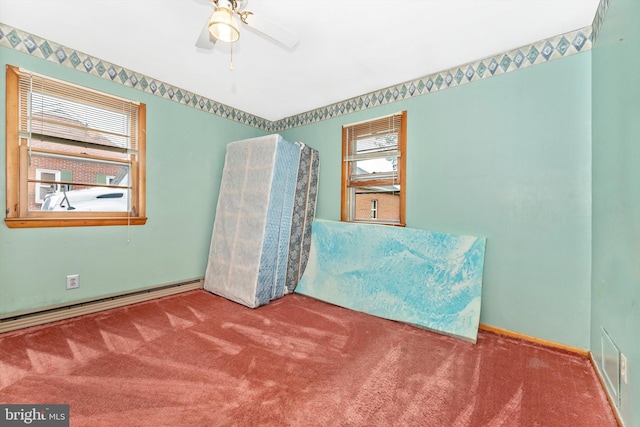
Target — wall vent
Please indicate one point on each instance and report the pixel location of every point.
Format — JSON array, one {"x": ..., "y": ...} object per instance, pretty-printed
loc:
[{"x": 610, "y": 366}]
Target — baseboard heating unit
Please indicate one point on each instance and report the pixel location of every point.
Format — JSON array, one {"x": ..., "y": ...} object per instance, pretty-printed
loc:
[{"x": 19, "y": 320}]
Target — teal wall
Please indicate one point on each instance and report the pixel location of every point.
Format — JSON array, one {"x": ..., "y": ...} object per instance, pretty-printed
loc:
[
  {"x": 185, "y": 155},
  {"x": 616, "y": 194},
  {"x": 507, "y": 158},
  {"x": 544, "y": 162}
]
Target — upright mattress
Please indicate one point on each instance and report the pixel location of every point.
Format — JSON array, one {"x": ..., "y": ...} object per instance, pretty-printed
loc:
[
  {"x": 303, "y": 214},
  {"x": 252, "y": 228}
]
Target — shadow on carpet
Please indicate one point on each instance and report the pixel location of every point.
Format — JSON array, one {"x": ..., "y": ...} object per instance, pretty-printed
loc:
[{"x": 199, "y": 359}]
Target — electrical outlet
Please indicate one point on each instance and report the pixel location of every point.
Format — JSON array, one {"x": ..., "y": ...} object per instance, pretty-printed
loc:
[
  {"x": 623, "y": 367},
  {"x": 73, "y": 281}
]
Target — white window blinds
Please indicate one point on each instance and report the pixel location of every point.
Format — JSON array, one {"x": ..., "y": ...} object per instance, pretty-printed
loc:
[{"x": 57, "y": 110}]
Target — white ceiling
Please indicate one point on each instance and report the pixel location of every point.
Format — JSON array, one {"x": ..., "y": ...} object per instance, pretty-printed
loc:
[{"x": 347, "y": 47}]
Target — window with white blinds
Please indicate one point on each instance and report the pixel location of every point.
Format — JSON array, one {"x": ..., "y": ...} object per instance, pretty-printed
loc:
[
  {"x": 82, "y": 134},
  {"x": 373, "y": 169}
]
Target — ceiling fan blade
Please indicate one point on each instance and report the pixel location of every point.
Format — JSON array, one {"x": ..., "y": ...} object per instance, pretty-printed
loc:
[
  {"x": 205, "y": 41},
  {"x": 272, "y": 30}
]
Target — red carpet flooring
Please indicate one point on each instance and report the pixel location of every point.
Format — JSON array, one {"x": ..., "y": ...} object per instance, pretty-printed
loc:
[{"x": 198, "y": 359}]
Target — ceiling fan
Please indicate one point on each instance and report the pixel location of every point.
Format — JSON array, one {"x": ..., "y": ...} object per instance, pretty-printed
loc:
[{"x": 223, "y": 25}]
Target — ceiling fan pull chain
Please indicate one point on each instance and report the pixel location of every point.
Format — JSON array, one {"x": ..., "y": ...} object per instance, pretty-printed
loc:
[{"x": 231, "y": 59}]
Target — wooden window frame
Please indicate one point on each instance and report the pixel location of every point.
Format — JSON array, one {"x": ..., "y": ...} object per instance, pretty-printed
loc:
[
  {"x": 347, "y": 166},
  {"x": 18, "y": 214}
]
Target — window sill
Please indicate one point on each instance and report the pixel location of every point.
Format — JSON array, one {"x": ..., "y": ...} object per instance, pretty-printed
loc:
[
  {"x": 73, "y": 222},
  {"x": 393, "y": 224}
]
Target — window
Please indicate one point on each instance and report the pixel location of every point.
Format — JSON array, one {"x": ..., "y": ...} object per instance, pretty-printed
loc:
[
  {"x": 374, "y": 209},
  {"x": 43, "y": 187},
  {"x": 373, "y": 170},
  {"x": 75, "y": 156}
]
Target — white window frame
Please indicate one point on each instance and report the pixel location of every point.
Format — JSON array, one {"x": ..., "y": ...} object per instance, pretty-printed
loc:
[
  {"x": 374, "y": 208},
  {"x": 56, "y": 173}
]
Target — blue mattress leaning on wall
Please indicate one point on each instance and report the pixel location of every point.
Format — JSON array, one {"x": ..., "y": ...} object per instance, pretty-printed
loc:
[
  {"x": 425, "y": 278},
  {"x": 280, "y": 217},
  {"x": 250, "y": 244}
]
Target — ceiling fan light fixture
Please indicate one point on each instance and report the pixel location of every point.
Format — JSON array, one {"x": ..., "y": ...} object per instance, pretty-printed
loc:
[{"x": 223, "y": 26}]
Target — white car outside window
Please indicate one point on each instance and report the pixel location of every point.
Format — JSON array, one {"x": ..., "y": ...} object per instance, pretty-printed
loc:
[{"x": 96, "y": 199}]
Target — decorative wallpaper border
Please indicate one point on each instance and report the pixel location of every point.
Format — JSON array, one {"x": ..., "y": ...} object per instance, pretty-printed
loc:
[
  {"x": 540, "y": 52},
  {"x": 601, "y": 12},
  {"x": 24, "y": 42}
]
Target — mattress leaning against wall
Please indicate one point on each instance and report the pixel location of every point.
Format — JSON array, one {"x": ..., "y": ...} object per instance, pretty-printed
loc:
[
  {"x": 250, "y": 246},
  {"x": 281, "y": 202},
  {"x": 421, "y": 277},
  {"x": 303, "y": 214}
]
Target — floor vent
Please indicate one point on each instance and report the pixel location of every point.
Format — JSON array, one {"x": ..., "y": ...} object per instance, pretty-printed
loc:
[{"x": 14, "y": 321}]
